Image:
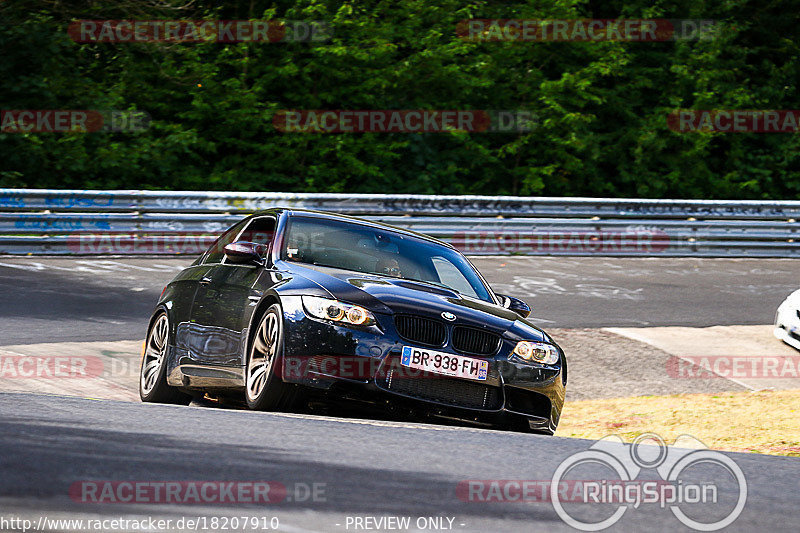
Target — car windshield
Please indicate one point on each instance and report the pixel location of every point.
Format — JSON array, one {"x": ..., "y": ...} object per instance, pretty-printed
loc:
[{"x": 362, "y": 248}]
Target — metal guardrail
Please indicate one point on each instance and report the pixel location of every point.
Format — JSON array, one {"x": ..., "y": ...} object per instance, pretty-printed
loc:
[{"x": 40, "y": 221}]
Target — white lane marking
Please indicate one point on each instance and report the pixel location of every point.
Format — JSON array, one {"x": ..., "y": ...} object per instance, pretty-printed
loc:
[
  {"x": 626, "y": 332},
  {"x": 379, "y": 423},
  {"x": 4, "y": 350},
  {"x": 93, "y": 266},
  {"x": 29, "y": 266},
  {"x": 116, "y": 265}
]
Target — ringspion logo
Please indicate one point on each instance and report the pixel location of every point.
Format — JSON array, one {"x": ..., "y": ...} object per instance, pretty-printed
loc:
[{"x": 704, "y": 489}]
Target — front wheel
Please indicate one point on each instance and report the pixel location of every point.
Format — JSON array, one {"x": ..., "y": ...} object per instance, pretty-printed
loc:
[
  {"x": 152, "y": 376},
  {"x": 264, "y": 389}
]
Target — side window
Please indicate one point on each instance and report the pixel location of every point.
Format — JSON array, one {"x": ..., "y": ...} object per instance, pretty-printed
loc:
[
  {"x": 450, "y": 275},
  {"x": 260, "y": 231},
  {"x": 216, "y": 251}
]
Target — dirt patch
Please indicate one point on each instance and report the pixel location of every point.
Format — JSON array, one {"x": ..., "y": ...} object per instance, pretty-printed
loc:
[
  {"x": 102, "y": 370},
  {"x": 759, "y": 422},
  {"x": 603, "y": 364}
]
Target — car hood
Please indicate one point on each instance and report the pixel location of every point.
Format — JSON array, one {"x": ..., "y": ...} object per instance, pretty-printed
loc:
[{"x": 384, "y": 294}]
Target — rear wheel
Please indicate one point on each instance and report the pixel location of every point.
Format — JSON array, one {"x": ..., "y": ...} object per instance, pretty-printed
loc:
[
  {"x": 152, "y": 377},
  {"x": 264, "y": 389}
]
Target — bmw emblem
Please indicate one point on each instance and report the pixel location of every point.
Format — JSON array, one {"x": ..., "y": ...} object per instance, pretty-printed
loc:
[{"x": 448, "y": 316}]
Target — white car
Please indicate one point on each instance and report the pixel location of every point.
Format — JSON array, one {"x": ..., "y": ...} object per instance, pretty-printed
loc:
[{"x": 787, "y": 320}]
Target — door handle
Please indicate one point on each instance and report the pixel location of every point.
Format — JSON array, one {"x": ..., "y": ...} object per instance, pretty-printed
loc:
[{"x": 205, "y": 281}]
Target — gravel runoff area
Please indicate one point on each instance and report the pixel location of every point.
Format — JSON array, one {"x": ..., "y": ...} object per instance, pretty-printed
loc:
[{"x": 606, "y": 365}]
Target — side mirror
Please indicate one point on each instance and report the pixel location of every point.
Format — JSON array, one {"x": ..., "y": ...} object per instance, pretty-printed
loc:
[
  {"x": 516, "y": 305},
  {"x": 243, "y": 251}
]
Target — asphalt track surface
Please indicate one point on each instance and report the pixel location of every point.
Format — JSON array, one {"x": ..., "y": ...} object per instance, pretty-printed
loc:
[
  {"x": 369, "y": 468},
  {"x": 105, "y": 299},
  {"x": 366, "y": 468}
]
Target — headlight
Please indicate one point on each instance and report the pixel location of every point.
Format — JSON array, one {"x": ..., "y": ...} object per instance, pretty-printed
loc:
[
  {"x": 337, "y": 311},
  {"x": 537, "y": 352}
]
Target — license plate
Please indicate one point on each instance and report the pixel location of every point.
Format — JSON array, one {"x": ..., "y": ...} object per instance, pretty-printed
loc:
[{"x": 446, "y": 364}]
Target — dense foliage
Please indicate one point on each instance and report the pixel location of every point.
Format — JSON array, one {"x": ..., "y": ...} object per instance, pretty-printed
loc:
[{"x": 601, "y": 107}]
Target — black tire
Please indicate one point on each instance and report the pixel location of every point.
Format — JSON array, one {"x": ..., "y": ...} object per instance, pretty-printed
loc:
[
  {"x": 264, "y": 389},
  {"x": 153, "y": 386}
]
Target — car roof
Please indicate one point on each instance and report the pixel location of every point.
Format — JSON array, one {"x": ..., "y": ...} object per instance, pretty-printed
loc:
[{"x": 291, "y": 211}]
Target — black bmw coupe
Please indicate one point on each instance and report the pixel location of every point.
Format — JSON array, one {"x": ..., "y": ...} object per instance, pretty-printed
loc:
[{"x": 290, "y": 301}]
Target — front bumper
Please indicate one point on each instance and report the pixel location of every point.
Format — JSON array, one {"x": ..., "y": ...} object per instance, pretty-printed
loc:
[
  {"x": 321, "y": 354},
  {"x": 787, "y": 325}
]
